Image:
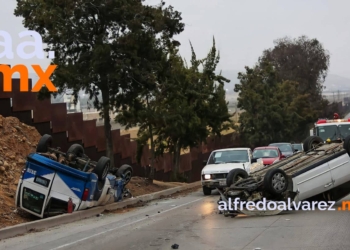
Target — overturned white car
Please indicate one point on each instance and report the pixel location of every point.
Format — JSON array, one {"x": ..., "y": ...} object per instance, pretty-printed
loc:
[{"x": 321, "y": 173}]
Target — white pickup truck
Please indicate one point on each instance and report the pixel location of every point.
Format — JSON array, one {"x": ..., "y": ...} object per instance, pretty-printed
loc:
[{"x": 220, "y": 163}]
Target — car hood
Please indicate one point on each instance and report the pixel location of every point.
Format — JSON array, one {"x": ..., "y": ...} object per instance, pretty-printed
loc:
[
  {"x": 287, "y": 153},
  {"x": 269, "y": 161},
  {"x": 223, "y": 167}
]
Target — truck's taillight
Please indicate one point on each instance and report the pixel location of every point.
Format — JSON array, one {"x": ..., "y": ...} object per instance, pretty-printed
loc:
[{"x": 85, "y": 194}]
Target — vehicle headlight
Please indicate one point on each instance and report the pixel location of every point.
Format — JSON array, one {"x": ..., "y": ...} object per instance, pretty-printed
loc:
[{"x": 207, "y": 176}]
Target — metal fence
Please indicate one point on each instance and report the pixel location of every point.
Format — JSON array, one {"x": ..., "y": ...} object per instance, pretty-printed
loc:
[{"x": 69, "y": 128}]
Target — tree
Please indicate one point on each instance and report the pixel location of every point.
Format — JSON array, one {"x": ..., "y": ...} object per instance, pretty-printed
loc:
[
  {"x": 194, "y": 103},
  {"x": 183, "y": 109},
  {"x": 148, "y": 109},
  {"x": 302, "y": 60},
  {"x": 273, "y": 110},
  {"x": 101, "y": 46}
]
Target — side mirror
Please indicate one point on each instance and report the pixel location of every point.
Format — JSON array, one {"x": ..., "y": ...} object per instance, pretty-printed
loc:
[
  {"x": 311, "y": 132},
  {"x": 204, "y": 163},
  {"x": 283, "y": 156},
  {"x": 253, "y": 160},
  {"x": 296, "y": 150}
]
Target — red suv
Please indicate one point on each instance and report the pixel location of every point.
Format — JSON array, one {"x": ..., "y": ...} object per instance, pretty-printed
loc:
[{"x": 268, "y": 154}]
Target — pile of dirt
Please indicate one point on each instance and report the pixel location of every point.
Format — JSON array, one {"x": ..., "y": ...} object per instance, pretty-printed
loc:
[{"x": 17, "y": 140}]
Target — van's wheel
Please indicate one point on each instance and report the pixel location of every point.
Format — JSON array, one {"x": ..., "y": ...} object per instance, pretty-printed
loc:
[
  {"x": 275, "y": 181},
  {"x": 102, "y": 168},
  {"x": 206, "y": 190},
  {"x": 76, "y": 150},
  {"x": 346, "y": 144},
  {"x": 235, "y": 175},
  {"x": 44, "y": 144},
  {"x": 312, "y": 142},
  {"x": 126, "y": 171}
]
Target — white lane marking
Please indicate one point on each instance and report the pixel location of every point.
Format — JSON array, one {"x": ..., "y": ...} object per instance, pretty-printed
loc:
[{"x": 128, "y": 224}]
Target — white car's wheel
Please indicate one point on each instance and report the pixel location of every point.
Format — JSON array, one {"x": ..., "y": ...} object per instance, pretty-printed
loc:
[{"x": 206, "y": 190}]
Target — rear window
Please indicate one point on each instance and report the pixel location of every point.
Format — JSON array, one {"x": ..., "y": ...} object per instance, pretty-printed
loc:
[
  {"x": 265, "y": 153},
  {"x": 33, "y": 200},
  {"x": 283, "y": 147}
]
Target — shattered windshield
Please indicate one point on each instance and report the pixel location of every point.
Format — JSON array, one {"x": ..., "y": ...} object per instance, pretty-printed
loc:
[
  {"x": 229, "y": 156},
  {"x": 327, "y": 132}
]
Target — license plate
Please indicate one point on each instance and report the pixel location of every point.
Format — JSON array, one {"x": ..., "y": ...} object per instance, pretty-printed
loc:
[
  {"x": 222, "y": 183},
  {"x": 42, "y": 181}
]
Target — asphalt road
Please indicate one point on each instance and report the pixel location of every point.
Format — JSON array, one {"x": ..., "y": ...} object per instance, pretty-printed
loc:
[{"x": 193, "y": 223}]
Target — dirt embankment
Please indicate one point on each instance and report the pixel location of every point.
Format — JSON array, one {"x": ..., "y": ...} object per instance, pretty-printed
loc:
[{"x": 17, "y": 140}]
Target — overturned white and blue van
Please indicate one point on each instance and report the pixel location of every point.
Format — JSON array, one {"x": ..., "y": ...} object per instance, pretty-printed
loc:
[{"x": 51, "y": 178}]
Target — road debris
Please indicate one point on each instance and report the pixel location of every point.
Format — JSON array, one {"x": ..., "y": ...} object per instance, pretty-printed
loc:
[{"x": 175, "y": 246}]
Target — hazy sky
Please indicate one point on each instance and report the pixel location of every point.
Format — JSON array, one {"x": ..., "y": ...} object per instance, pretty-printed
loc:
[{"x": 242, "y": 29}]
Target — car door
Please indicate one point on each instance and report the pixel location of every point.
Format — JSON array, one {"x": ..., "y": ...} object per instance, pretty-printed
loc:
[
  {"x": 313, "y": 181},
  {"x": 340, "y": 169}
]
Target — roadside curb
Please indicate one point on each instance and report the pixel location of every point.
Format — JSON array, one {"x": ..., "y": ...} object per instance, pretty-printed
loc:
[{"x": 23, "y": 228}]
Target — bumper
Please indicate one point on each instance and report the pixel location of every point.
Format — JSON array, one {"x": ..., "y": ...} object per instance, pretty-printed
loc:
[{"x": 217, "y": 183}]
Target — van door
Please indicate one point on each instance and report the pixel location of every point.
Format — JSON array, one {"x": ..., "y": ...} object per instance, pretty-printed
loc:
[
  {"x": 35, "y": 188},
  {"x": 313, "y": 181}
]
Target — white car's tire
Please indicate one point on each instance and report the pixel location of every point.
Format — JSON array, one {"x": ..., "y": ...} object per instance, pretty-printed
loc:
[{"x": 206, "y": 190}]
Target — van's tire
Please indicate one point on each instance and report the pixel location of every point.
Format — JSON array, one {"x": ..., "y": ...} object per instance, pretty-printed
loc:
[
  {"x": 102, "y": 168},
  {"x": 234, "y": 175},
  {"x": 346, "y": 144},
  {"x": 276, "y": 181},
  {"x": 206, "y": 190},
  {"x": 44, "y": 143},
  {"x": 311, "y": 142},
  {"x": 125, "y": 170},
  {"x": 76, "y": 150}
]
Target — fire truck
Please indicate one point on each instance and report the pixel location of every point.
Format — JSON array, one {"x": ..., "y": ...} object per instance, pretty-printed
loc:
[{"x": 331, "y": 129}]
